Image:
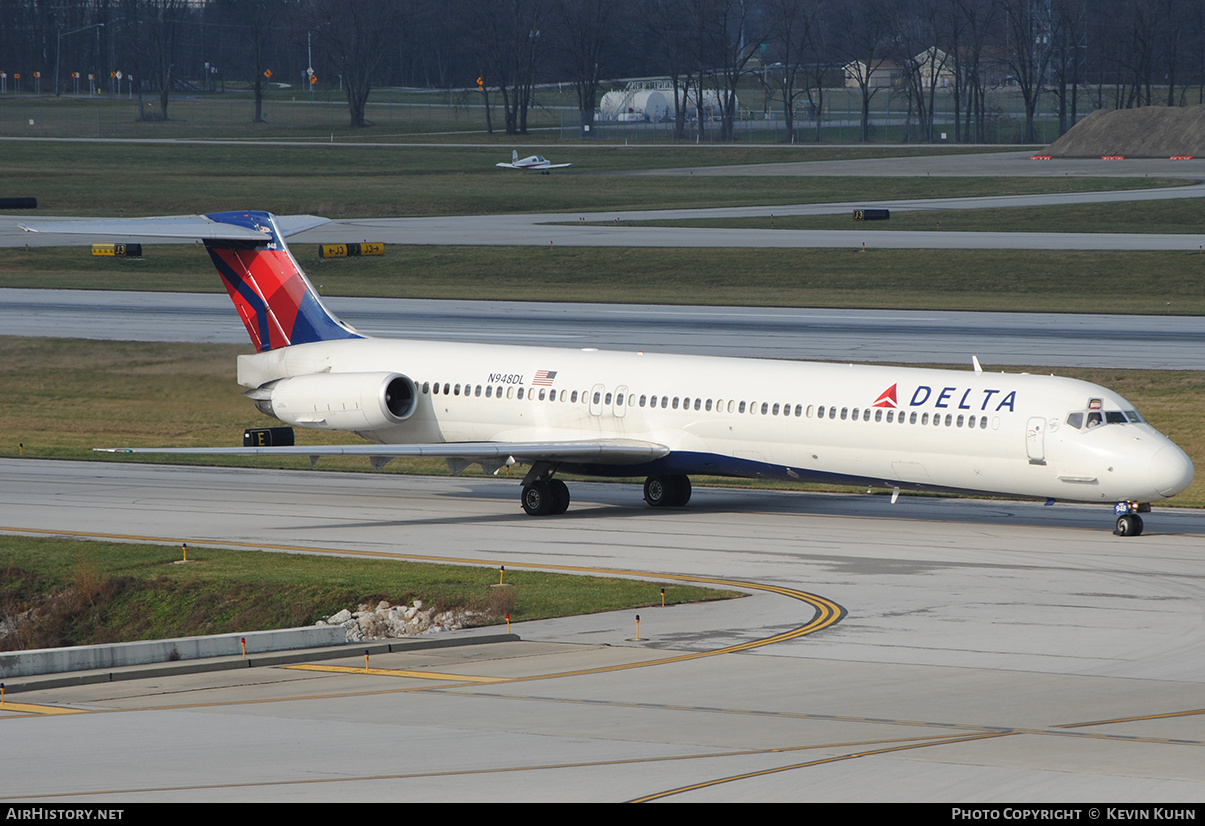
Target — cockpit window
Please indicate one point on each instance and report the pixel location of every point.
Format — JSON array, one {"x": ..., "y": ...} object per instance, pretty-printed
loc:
[{"x": 1090, "y": 419}]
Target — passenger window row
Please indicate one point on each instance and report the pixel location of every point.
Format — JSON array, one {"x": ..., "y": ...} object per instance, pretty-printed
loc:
[{"x": 887, "y": 415}]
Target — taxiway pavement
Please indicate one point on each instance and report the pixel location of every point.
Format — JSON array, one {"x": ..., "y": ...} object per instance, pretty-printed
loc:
[
  {"x": 991, "y": 651},
  {"x": 998, "y": 339}
]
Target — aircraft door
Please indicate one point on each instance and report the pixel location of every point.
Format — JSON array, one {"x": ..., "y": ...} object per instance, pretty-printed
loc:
[
  {"x": 621, "y": 400},
  {"x": 1035, "y": 440},
  {"x": 596, "y": 400}
]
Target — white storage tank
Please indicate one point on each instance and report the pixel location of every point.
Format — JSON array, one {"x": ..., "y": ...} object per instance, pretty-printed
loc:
[
  {"x": 652, "y": 104},
  {"x": 636, "y": 105}
]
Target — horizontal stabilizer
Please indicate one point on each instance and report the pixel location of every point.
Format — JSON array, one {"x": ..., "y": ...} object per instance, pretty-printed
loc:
[
  {"x": 185, "y": 227},
  {"x": 609, "y": 451}
]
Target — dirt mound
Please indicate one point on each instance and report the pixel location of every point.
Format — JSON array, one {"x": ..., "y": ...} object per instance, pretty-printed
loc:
[{"x": 1149, "y": 132}]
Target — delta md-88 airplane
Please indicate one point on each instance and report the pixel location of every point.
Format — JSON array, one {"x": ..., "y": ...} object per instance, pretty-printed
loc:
[{"x": 664, "y": 417}]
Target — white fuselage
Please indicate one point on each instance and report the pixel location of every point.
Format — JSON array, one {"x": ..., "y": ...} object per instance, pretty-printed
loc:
[{"x": 1011, "y": 434}]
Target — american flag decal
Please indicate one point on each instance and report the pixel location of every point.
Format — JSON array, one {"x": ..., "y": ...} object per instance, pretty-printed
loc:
[{"x": 544, "y": 378}]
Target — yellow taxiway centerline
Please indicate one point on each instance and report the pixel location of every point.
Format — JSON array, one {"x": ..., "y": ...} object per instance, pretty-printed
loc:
[
  {"x": 31, "y": 708},
  {"x": 394, "y": 672}
]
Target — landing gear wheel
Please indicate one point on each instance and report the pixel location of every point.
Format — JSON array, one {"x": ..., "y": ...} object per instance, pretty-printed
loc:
[
  {"x": 538, "y": 499},
  {"x": 683, "y": 491},
  {"x": 560, "y": 496},
  {"x": 667, "y": 491},
  {"x": 657, "y": 492},
  {"x": 1129, "y": 524}
]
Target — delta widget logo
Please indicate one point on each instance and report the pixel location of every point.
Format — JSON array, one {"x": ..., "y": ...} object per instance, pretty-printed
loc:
[{"x": 887, "y": 399}]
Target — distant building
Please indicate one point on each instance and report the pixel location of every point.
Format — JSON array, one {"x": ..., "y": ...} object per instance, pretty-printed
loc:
[
  {"x": 936, "y": 68},
  {"x": 882, "y": 74}
]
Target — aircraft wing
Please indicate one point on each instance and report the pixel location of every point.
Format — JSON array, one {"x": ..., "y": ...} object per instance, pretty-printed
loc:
[
  {"x": 557, "y": 166},
  {"x": 600, "y": 451},
  {"x": 174, "y": 226}
]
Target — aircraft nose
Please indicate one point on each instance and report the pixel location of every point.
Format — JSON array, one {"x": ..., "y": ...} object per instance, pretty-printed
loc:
[{"x": 1171, "y": 470}]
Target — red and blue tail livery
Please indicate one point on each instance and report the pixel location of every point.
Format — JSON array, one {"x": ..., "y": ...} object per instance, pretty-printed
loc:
[{"x": 276, "y": 302}]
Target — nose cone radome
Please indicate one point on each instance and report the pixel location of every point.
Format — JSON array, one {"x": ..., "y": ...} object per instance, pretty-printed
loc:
[{"x": 1171, "y": 470}]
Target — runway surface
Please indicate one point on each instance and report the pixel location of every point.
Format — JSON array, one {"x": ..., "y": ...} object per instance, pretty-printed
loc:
[
  {"x": 998, "y": 339},
  {"x": 1015, "y": 164},
  {"x": 991, "y": 651}
]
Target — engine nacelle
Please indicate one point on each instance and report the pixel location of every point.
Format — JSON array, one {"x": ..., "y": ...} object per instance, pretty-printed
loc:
[{"x": 339, "y": 401}]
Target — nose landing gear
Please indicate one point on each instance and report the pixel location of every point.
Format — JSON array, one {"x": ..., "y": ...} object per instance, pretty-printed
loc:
[{"x": 1129, "y": 523}]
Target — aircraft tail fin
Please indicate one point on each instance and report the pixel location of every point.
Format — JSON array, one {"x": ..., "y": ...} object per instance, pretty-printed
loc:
[
  {"x": 277, "y": 303},
  {"x": 514, "y": 156}
]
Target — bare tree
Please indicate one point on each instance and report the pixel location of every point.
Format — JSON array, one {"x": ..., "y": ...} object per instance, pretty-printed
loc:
[
  {"x": 977, "y": 21},
  {"x": 1067, "y": 55},
  {"x": 867, "y": 38},
  {"x": 583, "y": 34},
  {"x": 258, "y": 23},
  {"x": 1173, "y": 23},
  {"x": 356, "y": 37},
  {"x": 1138, "y": 58},
  {"x": 260, "y": 18},
  {"x": 1029, "y": 27},
  {"x": 665, "y": 18},
  {"x": 726, "y": 45},
  {"x": 510, "y": 42},
  {"x": 918, "y": 34},
  {"x": 793, "y": 31},
  {"x": 164, "y": 21}
]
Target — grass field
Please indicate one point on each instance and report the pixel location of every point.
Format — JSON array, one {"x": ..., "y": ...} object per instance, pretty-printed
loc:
[
  {"x": 85, "y": 593},
  {"x": 67, "y": 396},
  {"x": 1026, "y": 280},
  {"x": 129, "y": 179}
]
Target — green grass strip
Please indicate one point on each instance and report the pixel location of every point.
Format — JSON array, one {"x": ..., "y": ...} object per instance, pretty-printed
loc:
[
  {"x": 1141, "y": 282},
  {"x": 80, "y": 592}
]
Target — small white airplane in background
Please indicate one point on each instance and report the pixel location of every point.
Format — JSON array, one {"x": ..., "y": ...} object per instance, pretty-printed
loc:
[{"x": 532, "y": 163}]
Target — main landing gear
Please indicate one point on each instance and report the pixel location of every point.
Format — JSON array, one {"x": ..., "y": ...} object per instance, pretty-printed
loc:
[
  {"x": 1129, "y": 523},
  {"x": 544, "y": 496},
  {"x": 667, "y": 491}
]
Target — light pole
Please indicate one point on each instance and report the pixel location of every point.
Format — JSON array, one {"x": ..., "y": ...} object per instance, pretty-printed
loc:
[{"x": 59, "y": 48}]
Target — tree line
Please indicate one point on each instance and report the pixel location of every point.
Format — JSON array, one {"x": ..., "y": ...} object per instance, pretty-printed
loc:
[{"x": 1086, "y": 54}]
